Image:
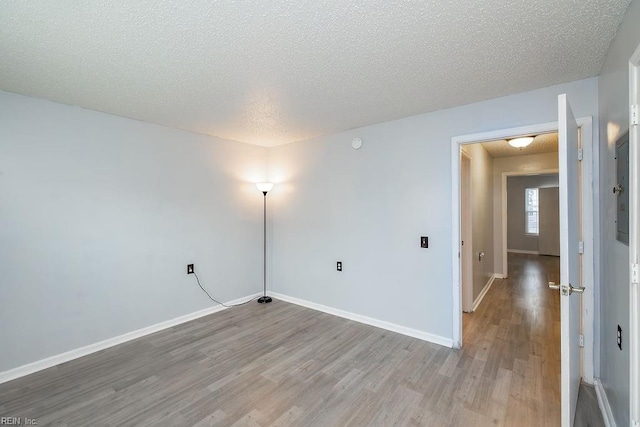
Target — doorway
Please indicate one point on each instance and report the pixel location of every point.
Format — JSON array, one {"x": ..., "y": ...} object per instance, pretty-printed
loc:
[
  {"x": 500, "y": 263},
  {"x": 510, "y": 324},
  {"x": 577, "y": 245},
  {"x": 530, "y": 202}
]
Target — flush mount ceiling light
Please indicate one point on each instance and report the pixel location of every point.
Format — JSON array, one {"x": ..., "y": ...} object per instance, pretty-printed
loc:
[{"x": 521, "y": 142}]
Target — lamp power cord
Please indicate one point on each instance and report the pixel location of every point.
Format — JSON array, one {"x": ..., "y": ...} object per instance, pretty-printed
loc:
[{"x": 215, "y": 300}]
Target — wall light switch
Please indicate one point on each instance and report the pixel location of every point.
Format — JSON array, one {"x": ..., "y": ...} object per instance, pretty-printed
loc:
[
  {"x": 424, "y": 242},
  {"x": 619, "y": 337}
]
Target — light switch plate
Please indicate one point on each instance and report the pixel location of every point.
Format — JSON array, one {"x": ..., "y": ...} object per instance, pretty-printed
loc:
[{"x": 619, "y": 340}]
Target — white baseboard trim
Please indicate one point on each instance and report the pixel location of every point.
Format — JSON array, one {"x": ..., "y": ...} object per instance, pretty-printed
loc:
[
  {"x": 425, "y": 336},
  {"x": 49, "y": 362},
  {"x": 603, "y": 403},
  {"x": 484, "y": 291},
  {"x": 519, "y": 251},
  {"x": 500, "y": 276}
]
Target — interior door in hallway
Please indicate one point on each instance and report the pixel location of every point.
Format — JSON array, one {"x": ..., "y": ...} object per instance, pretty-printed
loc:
[
  {"x": 466, "y": 243},
  {"x": 570, "y": 262},
  {"x": 549, "y": 221}
]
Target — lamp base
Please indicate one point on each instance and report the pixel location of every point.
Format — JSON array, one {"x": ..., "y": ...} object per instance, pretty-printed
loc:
[{"x": 264, "y": 300}]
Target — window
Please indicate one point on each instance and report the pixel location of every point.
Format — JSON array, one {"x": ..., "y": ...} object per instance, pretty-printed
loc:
[{"x": 531, "y": 211}]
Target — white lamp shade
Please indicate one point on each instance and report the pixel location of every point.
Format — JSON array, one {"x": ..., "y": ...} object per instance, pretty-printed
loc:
[
  {"x": 264, "y": 186},
  {"x": 521, "y": 142}
]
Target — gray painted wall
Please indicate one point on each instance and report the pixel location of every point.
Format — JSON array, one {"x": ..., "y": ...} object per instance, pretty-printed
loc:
[
  {"x": 368, "y": 208},
  {"x": 516, "y": 237},
  {"x": 482, "y": 215},
  {"x": 99, "y": 216},
  {"x": 613, "y": 96}
]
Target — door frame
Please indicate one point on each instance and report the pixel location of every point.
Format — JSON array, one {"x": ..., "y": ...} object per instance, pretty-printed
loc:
[
  {"x": 634, "y": 243},
  {"x": 591, "y": 241},
  {"x": 505, "y": 213}
]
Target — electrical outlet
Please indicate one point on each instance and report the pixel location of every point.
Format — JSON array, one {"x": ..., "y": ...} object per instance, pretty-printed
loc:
[
  {"x": 619, "y": 337},
  {"x": 424, "y": 242},
  {"x": 189, "y": 268},
  {"x": 339, "y": 265}
]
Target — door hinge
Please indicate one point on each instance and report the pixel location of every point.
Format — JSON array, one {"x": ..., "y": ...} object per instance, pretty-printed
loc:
[
  {"x": 581, "y": 340},
  {"x": 580, "y": 154},
  {"x": 634, "y": 115},
  {"x": 581, "y": 247},
  {"x": 635, "y": 273}
]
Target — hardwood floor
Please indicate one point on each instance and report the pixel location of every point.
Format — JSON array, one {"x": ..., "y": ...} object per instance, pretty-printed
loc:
[
  {"x": 281, "y": 364},
  {"x": 516, "y": 330}
]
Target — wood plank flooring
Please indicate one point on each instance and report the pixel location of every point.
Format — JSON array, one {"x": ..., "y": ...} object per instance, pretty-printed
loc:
[
  {"x": 516, "y": 330},
  {"x": 281, "y": 364}
]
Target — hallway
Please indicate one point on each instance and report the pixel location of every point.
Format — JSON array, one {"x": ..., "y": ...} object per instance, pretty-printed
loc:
[{"x": 516, "y": 331}]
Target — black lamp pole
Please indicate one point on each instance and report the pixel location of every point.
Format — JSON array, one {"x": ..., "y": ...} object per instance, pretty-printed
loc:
[{"x": 264, "y": 298}]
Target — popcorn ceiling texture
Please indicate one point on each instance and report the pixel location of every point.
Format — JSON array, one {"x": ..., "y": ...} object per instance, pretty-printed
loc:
[{"x": 277, "y": 71}]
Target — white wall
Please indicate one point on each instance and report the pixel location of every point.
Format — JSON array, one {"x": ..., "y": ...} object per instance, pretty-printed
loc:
[
  {"x": 517, "y": 238},
  {"x": 99, "y": 216},
  {"x": 482, "y": 215},
  {"x": 369, "y": 207},
  {"x": 520, "y": 164},
  {"x": 614, "y": 292}
]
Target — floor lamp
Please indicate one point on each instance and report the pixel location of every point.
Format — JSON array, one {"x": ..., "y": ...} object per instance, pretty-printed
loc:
[{"x": 265, "y": 187}]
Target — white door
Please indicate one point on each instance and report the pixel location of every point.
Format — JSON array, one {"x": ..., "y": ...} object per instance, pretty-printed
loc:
[
  {"x": 549, "y": 221},
  {"x": 634, "y": 239},
  {"x": 466, "y": 223},
  {"x": 570, "y": 285}
]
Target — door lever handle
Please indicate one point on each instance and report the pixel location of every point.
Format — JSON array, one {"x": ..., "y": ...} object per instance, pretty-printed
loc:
[
  {"x": 566, "y": 289},
  {"x": 578, "y": 290}
]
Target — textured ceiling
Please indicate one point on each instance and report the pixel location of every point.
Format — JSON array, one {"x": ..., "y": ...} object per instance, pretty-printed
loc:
[
  {"x": 545, "y": 143},
  {"x": 275, "y": 71}
]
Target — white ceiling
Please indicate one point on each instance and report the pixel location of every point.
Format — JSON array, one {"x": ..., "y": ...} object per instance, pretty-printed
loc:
[
  {"x": 545, "y": 143},
  {"x": 275, "y": 71}
]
